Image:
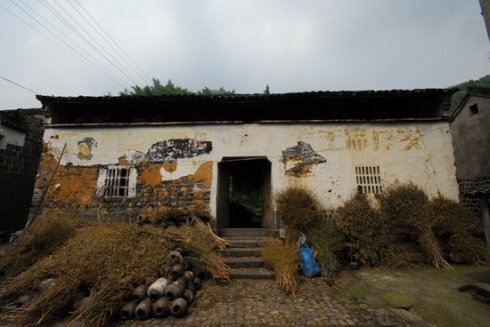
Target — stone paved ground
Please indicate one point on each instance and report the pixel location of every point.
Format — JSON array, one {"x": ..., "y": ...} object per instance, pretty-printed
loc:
[{"x": 261, "y": 303}]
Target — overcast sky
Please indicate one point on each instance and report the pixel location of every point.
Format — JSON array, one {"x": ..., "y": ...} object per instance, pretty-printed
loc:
[{"x": 302, "y": 45}]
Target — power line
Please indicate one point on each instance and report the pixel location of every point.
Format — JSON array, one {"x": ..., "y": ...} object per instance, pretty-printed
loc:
[
  {"x": 92, "y": 61},
  {"x": 19, "y": 85},
  {"x": 114, "y": 42},
  {"x": 136, "y": 73},
  {"x": 73, "y": 52},
  {"x": 64, "y": 21},
  {"x": 130, "y": 79}
]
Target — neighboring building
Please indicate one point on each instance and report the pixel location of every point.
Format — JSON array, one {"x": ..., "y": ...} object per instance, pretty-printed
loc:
[
  {"x": 230, "y": 154},
  {"x": 21, "y": 133},
  {"x": 470, "y": 129}
]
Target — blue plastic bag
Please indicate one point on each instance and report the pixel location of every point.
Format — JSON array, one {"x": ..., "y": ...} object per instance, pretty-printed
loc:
[{"x": 308, "y": 263}]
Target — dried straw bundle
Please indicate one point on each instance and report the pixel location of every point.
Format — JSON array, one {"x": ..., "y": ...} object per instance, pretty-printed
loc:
[
  {"x": 297, "y": 207},
  {"x": 283, "y": 259},
  {"x": 361, "y": 224},
  {"x": 40, "y": 239},
  {"x": 103, "y": 264},
  {"x": 404, "y": 210}
]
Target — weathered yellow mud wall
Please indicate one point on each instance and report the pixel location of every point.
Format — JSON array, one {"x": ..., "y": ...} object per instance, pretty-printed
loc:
[{"x": 177, "y": 165}]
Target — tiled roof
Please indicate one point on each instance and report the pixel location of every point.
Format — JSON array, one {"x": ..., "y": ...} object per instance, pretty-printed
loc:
[
  {"x": 46, "y": 100},
  {"x": 421, "y": 104}
]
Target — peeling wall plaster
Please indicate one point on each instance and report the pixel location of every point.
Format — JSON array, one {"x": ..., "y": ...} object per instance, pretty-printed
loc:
[{"x": 324, "y": 157}]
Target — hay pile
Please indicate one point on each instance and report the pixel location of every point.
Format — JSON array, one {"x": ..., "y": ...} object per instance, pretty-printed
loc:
[
  {"x": 366, "y": 238},
  {"x": 40, "y": 239},
  {"x": 458, "y": 231},
  {"x": 169, "y": 217},
  {"x": 302, "y": 212},
  {"x": 404, "y": 227},
  {"x": 283, "y": 259},
  {"x": 409, "y": 228},
  {"x": 97, "y": 269},
  {"x": 326, "y": 242},
  {"x": 296, "y": 207}
]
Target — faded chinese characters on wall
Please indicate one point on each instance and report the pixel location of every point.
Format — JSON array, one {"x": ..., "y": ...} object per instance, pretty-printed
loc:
[
  {"x": 372, "y": 139},
  {"x": 382, "y": 139}
]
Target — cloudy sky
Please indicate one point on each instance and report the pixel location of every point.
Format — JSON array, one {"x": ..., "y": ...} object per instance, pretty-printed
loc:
[{"x": 291, "y": 45}]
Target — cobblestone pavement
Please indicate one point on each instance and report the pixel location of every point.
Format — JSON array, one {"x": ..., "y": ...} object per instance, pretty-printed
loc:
[{"x": 261, "y": 303}]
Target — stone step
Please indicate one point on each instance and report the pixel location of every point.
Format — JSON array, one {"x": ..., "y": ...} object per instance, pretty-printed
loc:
[
  {"x": 245, "y": 262},
  {"x": 245, "y": 242},
  {"x": 252, "y": 273},
  {"x": 245, "y": 232},
  {"x": 241, "y": 252}
]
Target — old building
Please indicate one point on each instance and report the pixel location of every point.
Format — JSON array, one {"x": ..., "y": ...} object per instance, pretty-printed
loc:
[
  {"x": 471, "y": 141},
  {"x": 20, "y": 149},
  {"x": 120, "y": 156}
]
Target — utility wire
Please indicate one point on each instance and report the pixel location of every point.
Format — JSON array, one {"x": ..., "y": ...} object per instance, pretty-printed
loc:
[
  {"x": 73, "y": 29},
  {"x": 129, "y": 78},
  {"x": 127, "y": 73},
  {"x": 17, "y": 84},
  {"x": 114, "y": 42},
  {"x": 127, "y": 63},
  {"x": 74, "y": 52}
]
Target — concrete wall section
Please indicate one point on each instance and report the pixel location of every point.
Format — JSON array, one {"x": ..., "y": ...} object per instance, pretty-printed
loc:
[{"x": 177, "y": 166}]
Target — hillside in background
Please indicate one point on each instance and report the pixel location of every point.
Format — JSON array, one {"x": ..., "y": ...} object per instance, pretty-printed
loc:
[{"x": 459, "y": 95}]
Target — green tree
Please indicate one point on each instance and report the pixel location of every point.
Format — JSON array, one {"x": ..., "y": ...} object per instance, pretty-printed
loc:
[
  {"x": 220, "y": 91},
  {"x": 156, "y": 89},
  {"x": 171, "y": 89}
]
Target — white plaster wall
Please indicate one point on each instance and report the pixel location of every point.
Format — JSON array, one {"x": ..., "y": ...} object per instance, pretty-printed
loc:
[
  {"x": 11, "y": 136},
  {"x": 420, "y": 153}
]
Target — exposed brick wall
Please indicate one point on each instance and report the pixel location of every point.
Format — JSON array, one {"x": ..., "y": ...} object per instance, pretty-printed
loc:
[
  {"x": 468, "y": 185},
  {"x": 73, "y": 191},
  {"x": 18, "y": 167}
]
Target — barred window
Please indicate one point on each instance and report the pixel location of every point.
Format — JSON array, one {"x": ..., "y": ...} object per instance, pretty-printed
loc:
[
  {"x": 369, "y": 179},
  {"x": 116, "y": 182}
]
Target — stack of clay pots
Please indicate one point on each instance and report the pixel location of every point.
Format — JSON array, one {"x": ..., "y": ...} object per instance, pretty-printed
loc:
[{"x": 172, "y": 295}]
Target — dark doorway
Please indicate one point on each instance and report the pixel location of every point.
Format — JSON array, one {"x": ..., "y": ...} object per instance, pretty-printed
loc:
[{"x": 244, "y": 192}]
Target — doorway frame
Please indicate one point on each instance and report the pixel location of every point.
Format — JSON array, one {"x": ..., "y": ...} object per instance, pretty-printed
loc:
[{"x": 223, "y": 192}]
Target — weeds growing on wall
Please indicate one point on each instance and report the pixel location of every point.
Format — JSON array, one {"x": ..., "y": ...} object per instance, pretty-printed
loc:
[
  {"x": 283, "y": 259},
  {"x": 40, "y": 239},
  {"x": 99, "y": 267}
]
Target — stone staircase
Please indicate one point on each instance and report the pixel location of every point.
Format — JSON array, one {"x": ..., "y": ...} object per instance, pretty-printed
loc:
[{"x": 243, "y": 256}]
